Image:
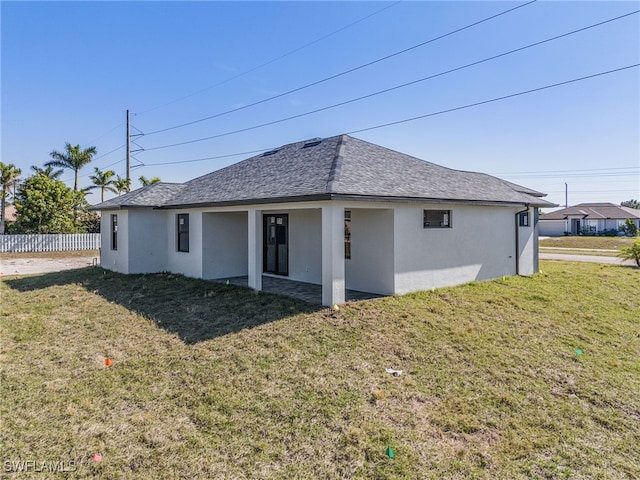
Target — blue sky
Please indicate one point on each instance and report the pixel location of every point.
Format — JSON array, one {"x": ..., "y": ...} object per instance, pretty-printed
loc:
[{"x": 71, "y": 69}]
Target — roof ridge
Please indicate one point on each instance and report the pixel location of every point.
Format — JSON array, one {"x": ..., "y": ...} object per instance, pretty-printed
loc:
[{"x": 336, "y": 164}]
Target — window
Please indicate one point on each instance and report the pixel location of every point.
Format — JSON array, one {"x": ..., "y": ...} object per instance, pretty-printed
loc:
[
  {"x": 114, "y": 232},
  {"x": 183, "y": 232},
  {"x": 524, "y": 219},
  {"x": 347, "y": 234},
  {"x": 437, "y": 219}
]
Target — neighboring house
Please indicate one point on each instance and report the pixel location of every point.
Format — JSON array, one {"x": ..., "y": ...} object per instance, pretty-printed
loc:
[
  {"x": 590, "y": 218},
  {"x": 338, "y": 212},
  {"x": 9, "y": 216}
]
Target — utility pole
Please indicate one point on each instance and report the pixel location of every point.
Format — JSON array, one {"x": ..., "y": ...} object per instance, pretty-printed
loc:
[
  {"x": 128, "y": 146},
  {"x": 566, "y": 195}
]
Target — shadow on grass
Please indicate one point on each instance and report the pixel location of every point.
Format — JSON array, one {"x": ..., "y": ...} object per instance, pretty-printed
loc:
[{"x": 196, "y": 310}]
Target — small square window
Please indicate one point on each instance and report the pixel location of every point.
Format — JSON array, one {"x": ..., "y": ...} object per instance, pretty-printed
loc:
[
  {"x": 524, "y": 219},
  {"x": 183, "y": 232},
  {"x": 437, "y": 219}
]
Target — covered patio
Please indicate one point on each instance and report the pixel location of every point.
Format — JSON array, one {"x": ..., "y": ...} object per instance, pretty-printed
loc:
[
  {"x": 300, "y": 250},
  {"x": 308, "y": 292}
]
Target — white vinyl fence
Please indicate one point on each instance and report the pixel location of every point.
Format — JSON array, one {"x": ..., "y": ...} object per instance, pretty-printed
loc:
[{"x": 49, "y": 243}]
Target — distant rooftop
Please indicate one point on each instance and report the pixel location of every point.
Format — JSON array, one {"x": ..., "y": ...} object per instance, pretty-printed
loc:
[{"x": 594, "y": 211}]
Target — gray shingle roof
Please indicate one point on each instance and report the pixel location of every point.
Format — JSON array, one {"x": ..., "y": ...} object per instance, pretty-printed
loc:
[
  {"x": 339, "y": 166},
  {"x": 594, "y": 211},
  {"x": 154, "y": 195}
]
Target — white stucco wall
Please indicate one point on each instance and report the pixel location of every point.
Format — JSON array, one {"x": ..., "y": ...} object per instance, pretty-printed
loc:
[
  {"x": 224, "y": 244},
  {"x": 370, "y": 268},
  {"x": 187, "y": 263},
  {"x": 552, "y": 228},
  {"x": 479, "y": 246},
  {"x": 305, "y": 245},
  {"x": 116, "y": 260},
  {"x": 147, "y": 231},
  {"x": 527, "y": 246}
]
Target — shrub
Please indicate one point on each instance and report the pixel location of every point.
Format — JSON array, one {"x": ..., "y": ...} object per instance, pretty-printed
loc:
[{"x": 631, "y": 253}]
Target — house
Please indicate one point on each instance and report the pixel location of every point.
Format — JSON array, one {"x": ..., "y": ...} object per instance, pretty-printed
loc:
[
  {"x": 591, "y": 218},
  {"x": 337, "y": 212},
  {"x": 9, "y": 217}
]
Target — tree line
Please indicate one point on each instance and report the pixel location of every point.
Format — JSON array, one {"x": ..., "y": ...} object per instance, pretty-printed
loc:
[{"x": 45, "y": 204}]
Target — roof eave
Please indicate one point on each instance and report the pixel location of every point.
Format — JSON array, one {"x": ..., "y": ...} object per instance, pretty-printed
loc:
[{"x": 360, "y": 198}]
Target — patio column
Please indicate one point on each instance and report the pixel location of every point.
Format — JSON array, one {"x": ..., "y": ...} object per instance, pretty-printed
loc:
[
  {"x": 254, "y": 231},
  {"x": 333, "y": 282}
]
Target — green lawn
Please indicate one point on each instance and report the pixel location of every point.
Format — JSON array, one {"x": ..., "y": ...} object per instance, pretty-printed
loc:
[
  {"x": 535, "y": 377},
  {"x": 599, "y": 243}
]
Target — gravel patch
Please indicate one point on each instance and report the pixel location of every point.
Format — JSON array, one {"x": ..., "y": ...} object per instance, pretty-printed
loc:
[{"x": 29, "y": 266}]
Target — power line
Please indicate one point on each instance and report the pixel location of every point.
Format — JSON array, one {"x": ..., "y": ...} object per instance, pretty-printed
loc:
[
  {"x": 579, "y": 182},
  {"x": 593, "y": 191},
  {"x": 406, "y": 120},
  {"x": 444, "y": 111},
  {"x": 351, "y": 70},
  {"x": 98, "y": 158},
  {"x": 109, "y": 152},
  {"x": 211, "y": 137},
  {"x": 567, "y": 171},
  {"x": 209, "y": 158},
  {"x": 578, "y": 175},
  {"x": 103, "y": 135},
  {"x": 273, "y": 60}
]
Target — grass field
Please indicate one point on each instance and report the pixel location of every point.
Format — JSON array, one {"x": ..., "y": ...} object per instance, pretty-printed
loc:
[
  {"x": 525, "y": 377},
  {"x": 598, "y": 243}
]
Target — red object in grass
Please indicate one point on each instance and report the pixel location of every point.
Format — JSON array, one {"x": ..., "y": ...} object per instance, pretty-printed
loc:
[
  {"x": 108, "y": 362},
  {"x": 97, "y": 457}
]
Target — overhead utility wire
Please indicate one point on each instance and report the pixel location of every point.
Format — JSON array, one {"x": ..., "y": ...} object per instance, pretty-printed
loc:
[
  {"x": 103, "y": 135},
  {"x": 210, "y": 158},
  {"x": 566, "y": 171},
  {"x": 380, "y": 92},
  {"x": 109, "y": 152},
  {"x": 406, "y": 120},
  {"x": 577, "y": 175},
  {"x": 337, "y": 75},
  {"x": 98, "y": 158},
  {"x": 273, "y": 60},
  {"x": 457, "y": 108}
]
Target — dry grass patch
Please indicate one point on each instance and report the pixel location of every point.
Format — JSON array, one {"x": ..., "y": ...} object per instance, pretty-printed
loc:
[
  {"x": 65, "y": 254},
  {"x": 216, "y": 381}
]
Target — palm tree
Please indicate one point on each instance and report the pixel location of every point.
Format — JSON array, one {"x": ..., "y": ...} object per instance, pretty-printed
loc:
[
  {"x": 8, "y": 176},
  {"x": 122, "y": 184},
  {"x": 48, "y": 172},
  {"x": 103, "y": 181},
  {"x": 148, "y": 181},
  {"x": 73, "y": 158},
  {"x": 632, "y": 252}
]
